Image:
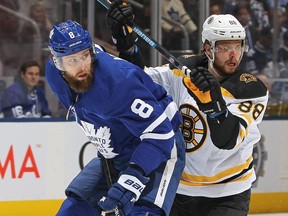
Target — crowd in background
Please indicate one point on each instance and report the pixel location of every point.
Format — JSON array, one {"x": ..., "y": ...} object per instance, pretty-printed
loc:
[{"x": 24, "y": 33}]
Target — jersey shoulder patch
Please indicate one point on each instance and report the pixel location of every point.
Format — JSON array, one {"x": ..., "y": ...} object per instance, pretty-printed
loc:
[{"x": 244, "y": 85}]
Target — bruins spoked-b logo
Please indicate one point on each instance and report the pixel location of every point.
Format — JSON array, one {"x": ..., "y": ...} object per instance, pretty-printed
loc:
[
  {"x": 194, "y": 127},
  {"x": 245, "y": 77}
]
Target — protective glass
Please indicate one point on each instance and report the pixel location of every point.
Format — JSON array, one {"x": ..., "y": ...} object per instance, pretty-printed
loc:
[
  {"x": 74, "y": 61},
  {"x": 223, "y": 48}
]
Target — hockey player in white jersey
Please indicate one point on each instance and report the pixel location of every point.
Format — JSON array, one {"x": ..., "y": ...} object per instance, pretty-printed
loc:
[
  {"x": 221, "y": 111},
  {"x": 130, "y": 119}
]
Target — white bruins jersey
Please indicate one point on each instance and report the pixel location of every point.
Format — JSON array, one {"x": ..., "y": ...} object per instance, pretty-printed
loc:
[{"x": 210, "y": 171}]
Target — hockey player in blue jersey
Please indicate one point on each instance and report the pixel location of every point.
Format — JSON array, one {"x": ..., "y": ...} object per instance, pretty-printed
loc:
[{"x": 129, "y": 118}]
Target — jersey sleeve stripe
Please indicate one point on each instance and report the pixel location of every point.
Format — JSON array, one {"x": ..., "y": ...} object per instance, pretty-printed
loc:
[
  {"x": 156, "y": 123},
  {"x": 171, "y": 110},
  {"x": 166, "y": 178},
  {"x": 219, "y": 176},
  {"x": 246, "y": 176},
  {"x": 242, "y": 134},
  {"x": 157, "y": 136}
]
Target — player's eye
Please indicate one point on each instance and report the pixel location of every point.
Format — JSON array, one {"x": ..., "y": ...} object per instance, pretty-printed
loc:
[{"x": 72, "y": 61}]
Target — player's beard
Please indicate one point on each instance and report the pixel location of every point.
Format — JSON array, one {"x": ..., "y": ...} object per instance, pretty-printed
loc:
[
  {"x": 224, "y": 72},
  {"x": 80, "y": 86}
]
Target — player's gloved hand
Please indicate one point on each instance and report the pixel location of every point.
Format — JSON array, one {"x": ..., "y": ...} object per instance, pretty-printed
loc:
[
  {"x": 206, "y": 90},
  {"x": 118, "y": 15},
  {"x": 125, "y": 192}
]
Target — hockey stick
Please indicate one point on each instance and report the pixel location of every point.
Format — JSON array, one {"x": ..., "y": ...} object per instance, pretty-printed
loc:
[
  {"x": 116, "y": 211},
  {"x": 152, "y": 43}
]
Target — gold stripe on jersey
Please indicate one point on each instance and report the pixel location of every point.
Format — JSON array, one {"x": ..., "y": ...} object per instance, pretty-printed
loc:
[
  {"x": 242, "y": 134},
  {"x": 190, "y": 179},
  {"x": 226, "y": 93},
  {"x": 247, "y": 118},
  {"x": 245, "y": 176},
  {"x": 243, "y": 128},
  {"x": 178, "y": 72}
]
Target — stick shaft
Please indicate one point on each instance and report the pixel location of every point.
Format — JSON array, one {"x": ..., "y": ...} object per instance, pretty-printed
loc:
[
  {"x": 109, "y": 180},
  {"x": 151, "y": 42}
]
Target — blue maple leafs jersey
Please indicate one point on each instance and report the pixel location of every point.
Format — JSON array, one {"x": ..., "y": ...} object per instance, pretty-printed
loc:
[{"x": 125, "y": 114}]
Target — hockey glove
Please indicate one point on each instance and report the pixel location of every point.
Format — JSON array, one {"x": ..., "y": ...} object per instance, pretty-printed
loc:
[
  {"x": 206, "y": 91},
  {"x": 125, "y": 192},
  {"x": 118, "y": 15}
]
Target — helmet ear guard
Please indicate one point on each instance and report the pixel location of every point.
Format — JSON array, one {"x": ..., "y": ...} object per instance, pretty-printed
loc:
[
  {"x": 245, "y": 45},
  {"x": 57, "y": 63}
]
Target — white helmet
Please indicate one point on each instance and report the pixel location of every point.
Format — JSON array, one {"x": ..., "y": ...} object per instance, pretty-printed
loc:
[{"x": 222, "y": 27}]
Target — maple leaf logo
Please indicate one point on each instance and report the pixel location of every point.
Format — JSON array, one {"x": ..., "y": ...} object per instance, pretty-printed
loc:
[
  {"x": 100, "y": 138},
  {"x": 174, "y": 14}
]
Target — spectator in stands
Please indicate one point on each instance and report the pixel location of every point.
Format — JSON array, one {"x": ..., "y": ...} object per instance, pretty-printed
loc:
[
  {"x": 215, "y": 8},
  {"x": 258, "y": 14},
  {"x": 172, "y": 34},
  {"x": 283, "y": 51},
  {"x": 280, "y": 3},
  {"x": 191, "y": 7},
  {"x": 30, "y": 35},
  {"x": 228, "y": 6},
  {"x": 261, "y": 54},
  {"x": 9, "y": 38},
  {"x": 39, "y": 15},
  {"x": 242, "y": 13},
  {"x": 283, "y": 57},
  {"x": 24, "y": 99},
  {"x": 285, "y": 24},
  {"x": 280, "y": 28}
]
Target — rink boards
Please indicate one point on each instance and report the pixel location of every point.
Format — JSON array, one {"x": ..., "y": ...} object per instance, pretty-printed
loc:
[{"x": 39, "y": 159}]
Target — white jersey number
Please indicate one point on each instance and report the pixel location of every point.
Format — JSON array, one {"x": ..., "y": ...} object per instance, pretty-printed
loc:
[
  {"x": 71, "y": 35},
  {"x": 141, "y": 108}
]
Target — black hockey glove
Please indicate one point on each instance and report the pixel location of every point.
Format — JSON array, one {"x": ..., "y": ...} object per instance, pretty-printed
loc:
[
  {"x": 118, "y": 15},
  {"x": 206, "y": 91}
]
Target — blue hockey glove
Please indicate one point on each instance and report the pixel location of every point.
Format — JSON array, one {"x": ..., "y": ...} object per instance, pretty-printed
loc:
[
  {"x": 118, "y": 15},
  {"x": 206, "y": 91},
  {"x": 125, "y": 192}
]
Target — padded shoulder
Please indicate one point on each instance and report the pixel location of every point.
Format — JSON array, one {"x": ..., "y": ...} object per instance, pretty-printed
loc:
[{"x": 243, "y": 85}]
